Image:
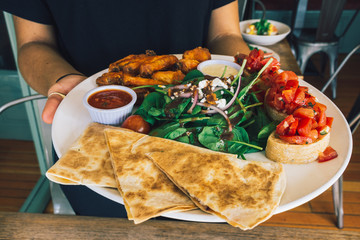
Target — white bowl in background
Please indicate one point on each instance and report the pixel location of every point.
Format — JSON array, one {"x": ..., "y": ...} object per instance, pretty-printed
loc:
[
  {"x": 283, "y": 31},
  {"x": 114, "y": 116}
]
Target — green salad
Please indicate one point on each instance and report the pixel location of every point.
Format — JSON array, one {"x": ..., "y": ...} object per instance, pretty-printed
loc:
[{"x": 220, "y": 114}]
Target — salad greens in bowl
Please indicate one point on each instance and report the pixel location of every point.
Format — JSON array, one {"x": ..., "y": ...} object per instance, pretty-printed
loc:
[{"x": 263, "y": 32}]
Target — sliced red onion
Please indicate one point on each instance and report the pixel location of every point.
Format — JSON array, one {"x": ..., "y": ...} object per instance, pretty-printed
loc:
[
  {"x": 218, "y": 110},
  {"x": 185, "y": 94},
  {"x": 196, "y": 96},
  {"x": 181, "y": 86}
]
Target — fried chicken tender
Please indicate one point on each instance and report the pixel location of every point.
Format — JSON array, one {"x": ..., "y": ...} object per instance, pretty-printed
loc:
[
  {"x": 110, "y": 78},
  {"x": 133, "y": 66},
  {"x": 160, "y": 62},
  {"x": 130, "y": 60},
  {"x": 186, "y": 65},
  {"x": 131, "y": 80},
  {"x": 168, "y": 77},
  {"x": 200, "y": 54},
  {"x": 119, "y": 64}
]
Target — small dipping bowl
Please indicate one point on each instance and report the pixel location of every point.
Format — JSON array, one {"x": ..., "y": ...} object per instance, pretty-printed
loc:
[
  {"x": 110, "y": 116},
  {"x": 216, "y": 68}
]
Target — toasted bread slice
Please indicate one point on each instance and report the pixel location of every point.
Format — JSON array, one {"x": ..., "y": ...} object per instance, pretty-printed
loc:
[{"x": 280, "y": 151}]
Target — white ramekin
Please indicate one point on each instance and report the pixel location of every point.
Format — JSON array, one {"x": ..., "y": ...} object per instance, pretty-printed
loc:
[
  {"x": 113, "y": 116},
  {"x": 215, "y": 61}
]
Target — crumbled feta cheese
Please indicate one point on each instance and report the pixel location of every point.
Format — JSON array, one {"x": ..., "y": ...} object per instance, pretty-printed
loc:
[
  {"x": 203, "y": 84},
  {"x": 221, "y": 103},
  {"x": 203, "y": 100},
  {"x": 232, "y": 89},
  {"x": 217, "y": 82},
  {"x": 200, "y": 93}
]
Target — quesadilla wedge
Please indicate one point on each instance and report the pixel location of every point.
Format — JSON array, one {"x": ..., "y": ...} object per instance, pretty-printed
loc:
[
  {"x": 146, "y": 191},
  {"x": 243, "y": 193},
  {"x": 87, "y": 162}
]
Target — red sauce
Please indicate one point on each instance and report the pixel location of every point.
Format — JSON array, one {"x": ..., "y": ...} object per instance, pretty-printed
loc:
[{"x": 109, "y": 99}]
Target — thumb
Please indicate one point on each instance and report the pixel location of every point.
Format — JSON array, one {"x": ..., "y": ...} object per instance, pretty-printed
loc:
[{"x": 50, "y": 108}]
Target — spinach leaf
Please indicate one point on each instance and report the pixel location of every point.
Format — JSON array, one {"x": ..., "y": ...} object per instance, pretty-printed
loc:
[
  {"x": 193, "y": 75},
  {"x": 165, "y": 129},
  {"x": 176, "y": 133},
  {"x": 267, "y": 130},
  {"x": 175, "y": 108},
  {"x": 210, "y": 138},
  {"x": 152, "y": 104}
]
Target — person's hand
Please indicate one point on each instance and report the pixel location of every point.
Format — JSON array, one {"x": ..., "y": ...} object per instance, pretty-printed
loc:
[{"x": 57, "y": 93}]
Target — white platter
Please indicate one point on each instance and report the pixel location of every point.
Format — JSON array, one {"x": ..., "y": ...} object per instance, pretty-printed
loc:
[{"x": 304, "y": 182}]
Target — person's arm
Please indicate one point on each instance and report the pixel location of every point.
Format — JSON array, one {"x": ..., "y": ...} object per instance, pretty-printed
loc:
[
  {"x": 41, "y": 64},
  {"x": 224, "y": 31}
]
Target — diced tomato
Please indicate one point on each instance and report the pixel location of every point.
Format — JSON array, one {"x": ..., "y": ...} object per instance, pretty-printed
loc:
[
  {"x": 313, "y": 134},
  {"x": 292, "y": 83},
  {"x": 314, "y": 124},
  {"x": 321, "y": 119},
  {"x": 288, "y": 95},
  {"x": 319, "y": 107},
  {"x": 327, "y": 155},
  {"x": 304, "y": 112},
  {"x": 305, "y": 126},
  {"x": 329, "y": 121},
  {"x": 293, "y": 127},
  {"x": 296, "y": 139},
  {"x": 305, "y": 89},
  {"x": 310, "y": 100},
  {"x": 282, "y": 128},
  {"x": 279, "y": 103},
  {"x": 281, "y": 79},
  {"x": 290, "y": 108},
  {"x": 299, "y": 97},
  {"x": 273, "y": 67},
  {"x": 323, "y": 131}
]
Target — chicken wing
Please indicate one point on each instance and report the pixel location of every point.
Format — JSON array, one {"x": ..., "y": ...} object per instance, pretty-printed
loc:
[
  {"x": 109, "y": 78},
  {"x": 200, "y": 54},
  {"x": 131, "y": 80},
  {"x": 168, "y": 77},
  {"x": 133, "y": 66},
  {"x": 186, "y": 65},
  {"x": 120, "y": 64},
  {"x": 160, "y": 62}
]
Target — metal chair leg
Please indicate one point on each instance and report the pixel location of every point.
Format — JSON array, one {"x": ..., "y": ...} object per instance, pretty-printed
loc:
[
  {"x": 333, "y": 66},
  {"x": 337, "y": 192}
]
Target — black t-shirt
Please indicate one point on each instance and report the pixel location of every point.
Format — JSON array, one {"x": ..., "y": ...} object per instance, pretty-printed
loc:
[{"x": 92, "y": 33}]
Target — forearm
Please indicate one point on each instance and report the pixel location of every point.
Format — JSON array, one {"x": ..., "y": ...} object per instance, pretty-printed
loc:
[
  {"x": 228, "y": 45},
  {"x": 41, "y": 65}
]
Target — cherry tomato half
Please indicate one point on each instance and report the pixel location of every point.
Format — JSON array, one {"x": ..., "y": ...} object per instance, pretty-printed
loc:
[{"x": 137, "y": 124}]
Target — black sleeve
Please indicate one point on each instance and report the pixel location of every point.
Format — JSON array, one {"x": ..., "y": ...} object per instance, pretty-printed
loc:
[{"x": 33, "y": 10}]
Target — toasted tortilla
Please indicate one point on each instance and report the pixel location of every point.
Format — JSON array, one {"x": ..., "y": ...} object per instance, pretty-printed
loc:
[
  {"x": 244, "y": 193},
  {"x": 146, "y": 191},
  {"x": 87, "y": 162}
]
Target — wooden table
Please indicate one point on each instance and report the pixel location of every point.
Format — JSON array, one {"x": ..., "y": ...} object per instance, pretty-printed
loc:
[{"x": 48, "y": 226}]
